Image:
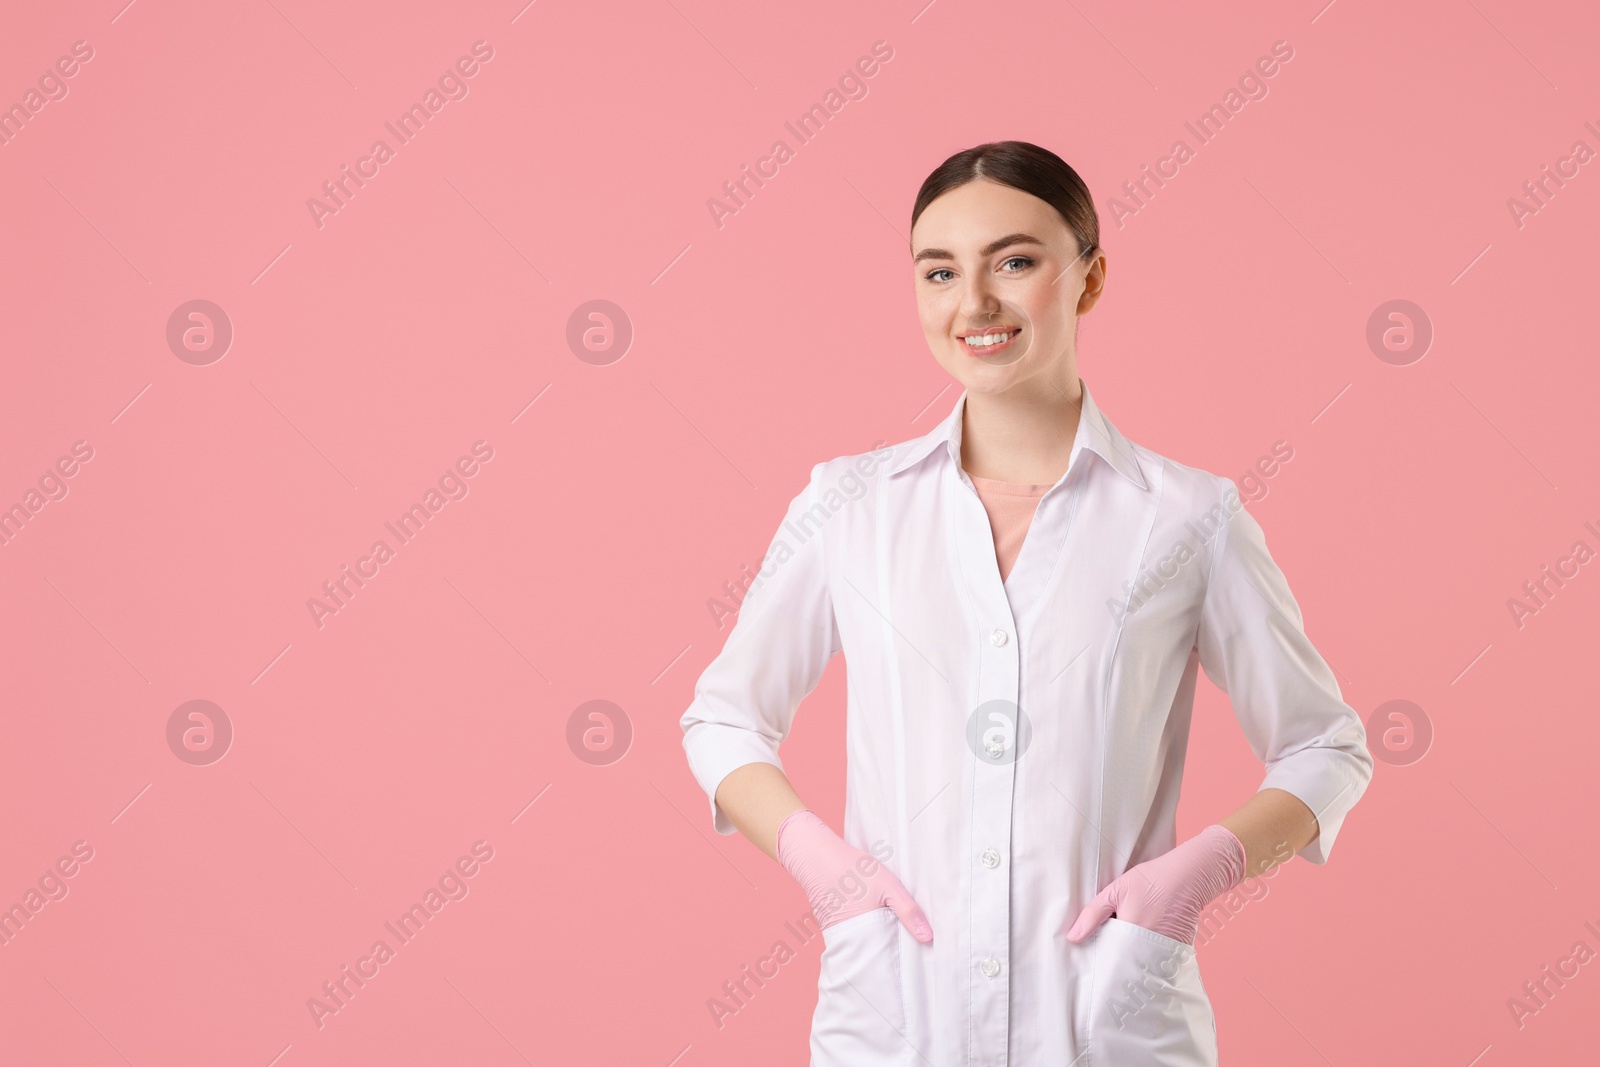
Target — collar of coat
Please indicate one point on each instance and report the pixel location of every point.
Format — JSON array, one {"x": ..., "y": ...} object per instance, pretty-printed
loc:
[{"x": 1095, "y": 433}]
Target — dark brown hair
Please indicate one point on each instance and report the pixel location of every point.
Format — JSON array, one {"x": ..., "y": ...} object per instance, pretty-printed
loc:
[{"x": 1022, "y": 166}]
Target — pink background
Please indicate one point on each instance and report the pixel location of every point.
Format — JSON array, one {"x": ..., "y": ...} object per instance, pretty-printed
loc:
[{"x": 370, "y": 353}]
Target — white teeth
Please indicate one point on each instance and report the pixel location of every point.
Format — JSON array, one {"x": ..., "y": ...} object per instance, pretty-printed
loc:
[{"x": 987, "y": 339}]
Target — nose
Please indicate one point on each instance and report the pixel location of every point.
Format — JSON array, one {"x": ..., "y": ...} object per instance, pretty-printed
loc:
[{"x": 979, "y": 300}]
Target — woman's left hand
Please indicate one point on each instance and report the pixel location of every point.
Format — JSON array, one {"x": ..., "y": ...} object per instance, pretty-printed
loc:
[{"x": 1168, "y": 893}]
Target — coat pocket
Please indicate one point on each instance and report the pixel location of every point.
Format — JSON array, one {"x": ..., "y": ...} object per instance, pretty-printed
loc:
[
  {"x": 860, "y": 1019},
  {"x": 1149, "y": 1006}
]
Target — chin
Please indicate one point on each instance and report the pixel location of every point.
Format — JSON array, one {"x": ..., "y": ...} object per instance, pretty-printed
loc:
[{"x": 990, "y": 383}]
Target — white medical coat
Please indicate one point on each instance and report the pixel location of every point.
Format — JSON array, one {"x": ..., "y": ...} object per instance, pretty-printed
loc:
[{"x": 1014, "y": 746}]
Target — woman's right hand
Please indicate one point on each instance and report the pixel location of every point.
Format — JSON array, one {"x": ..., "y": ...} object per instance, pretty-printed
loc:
[{"x": 840, "y": 880}]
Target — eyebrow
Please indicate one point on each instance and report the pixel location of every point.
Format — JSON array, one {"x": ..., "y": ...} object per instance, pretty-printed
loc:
[{"x": 988, "y": 250}]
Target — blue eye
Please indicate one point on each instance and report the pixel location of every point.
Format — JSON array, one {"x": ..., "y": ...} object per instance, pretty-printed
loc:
[{"x": 1024, "y": 261}]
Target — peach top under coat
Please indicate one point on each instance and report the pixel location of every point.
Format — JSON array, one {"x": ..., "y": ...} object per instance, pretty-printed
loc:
[{"x": 1010, "y": 506}]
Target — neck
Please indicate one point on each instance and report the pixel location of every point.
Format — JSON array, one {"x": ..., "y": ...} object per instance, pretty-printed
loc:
[{"x": 1022, "y": 434}]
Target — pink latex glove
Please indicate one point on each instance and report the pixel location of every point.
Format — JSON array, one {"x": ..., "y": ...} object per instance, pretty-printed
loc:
[
  {"x": 1168, "y": 893},
  {"x": 840, "y": 880}
]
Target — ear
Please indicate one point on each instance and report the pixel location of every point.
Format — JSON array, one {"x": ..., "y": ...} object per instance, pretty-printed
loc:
[{"x": 1094, "y": 282}]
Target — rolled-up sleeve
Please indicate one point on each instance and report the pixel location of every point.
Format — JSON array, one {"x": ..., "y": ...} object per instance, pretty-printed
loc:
[
  {"x": 1253, "y": 646},
  {"x": 782, "y": 640}
]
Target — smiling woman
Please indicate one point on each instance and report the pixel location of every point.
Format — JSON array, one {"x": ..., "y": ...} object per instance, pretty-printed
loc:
[
  {"x": 1020, "y": 750},
  {"x": 1001, "y": 309}
]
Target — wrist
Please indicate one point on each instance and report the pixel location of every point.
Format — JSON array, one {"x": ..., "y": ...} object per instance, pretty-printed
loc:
[
  {"x": 798, "y": 823},
  {"x": 1230, "y": 855}
]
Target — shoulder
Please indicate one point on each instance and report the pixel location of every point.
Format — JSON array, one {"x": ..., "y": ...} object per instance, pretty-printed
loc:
[
  {"x": 1184, "y": 489},
  {"x": 850, "y": 474}
]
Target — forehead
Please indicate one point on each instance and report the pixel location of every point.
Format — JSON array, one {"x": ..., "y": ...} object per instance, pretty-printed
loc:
[{"x": 969, "y": 216}]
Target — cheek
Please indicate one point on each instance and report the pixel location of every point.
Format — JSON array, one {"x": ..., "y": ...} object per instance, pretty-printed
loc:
[
  {"x": 934, "y": 312},
  {"x": 1046, "y": 309}
]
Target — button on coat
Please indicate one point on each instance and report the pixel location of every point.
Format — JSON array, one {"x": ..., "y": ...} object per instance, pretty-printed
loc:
[{"x": 1043, "y": 719}]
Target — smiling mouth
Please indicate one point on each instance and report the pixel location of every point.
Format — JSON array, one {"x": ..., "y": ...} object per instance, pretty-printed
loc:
[{"x": 981, "y": 344}]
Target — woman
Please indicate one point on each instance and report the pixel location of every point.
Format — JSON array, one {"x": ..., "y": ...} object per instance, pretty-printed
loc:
[{"x": 1023, "y": 597}]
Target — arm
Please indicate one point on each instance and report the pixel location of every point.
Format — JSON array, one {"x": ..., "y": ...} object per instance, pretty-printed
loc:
[
  {"x": 744, "y": 706},
  {"x": 1272, "y": 826},
  {"x": 745, "y": 700},
  {"x": 756, "y": 798},
  {"x": 1252, "y": 644}
]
